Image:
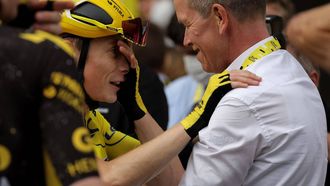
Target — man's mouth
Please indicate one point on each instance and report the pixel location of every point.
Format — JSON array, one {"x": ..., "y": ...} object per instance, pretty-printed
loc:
[{"x": 196, "y": 50}]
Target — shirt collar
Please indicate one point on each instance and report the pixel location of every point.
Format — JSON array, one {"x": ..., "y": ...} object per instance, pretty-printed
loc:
[{"x": 237, "y": 63}]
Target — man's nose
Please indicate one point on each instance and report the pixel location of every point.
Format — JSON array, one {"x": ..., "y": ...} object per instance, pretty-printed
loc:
[{"x": 186, "y": 39}]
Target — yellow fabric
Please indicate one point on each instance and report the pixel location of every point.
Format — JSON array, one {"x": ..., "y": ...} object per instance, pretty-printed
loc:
[
  {"x": 114, "y": 8},
  {"x": 50, "y": 173},
  {"x": 108, "y": 142},
  {"x": 261, "y": 52},
  {"x": 137, "y": 93},
  {"x": 40, "y": 36},
  {"x": 198, "y": 93},
  {"x": 215, "y": 82}
]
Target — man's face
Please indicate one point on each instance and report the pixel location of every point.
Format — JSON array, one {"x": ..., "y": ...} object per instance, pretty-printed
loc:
[
  {"x": 105, "y": 70},
  {"x": 8, "y": 9},
  {"x": 202, "y": 34}
]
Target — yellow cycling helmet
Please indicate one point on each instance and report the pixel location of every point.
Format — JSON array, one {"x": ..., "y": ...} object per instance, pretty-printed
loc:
[{"x": 101, "y": 18}]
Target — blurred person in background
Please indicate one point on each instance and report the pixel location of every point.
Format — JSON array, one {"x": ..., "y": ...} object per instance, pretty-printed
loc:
[
  {"x": 145, "y": 8},
  {"x": 159, "y": 14}
]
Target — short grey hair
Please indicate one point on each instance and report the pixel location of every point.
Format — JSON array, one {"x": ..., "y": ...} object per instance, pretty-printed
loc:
[{"x": 242, "y": 9}]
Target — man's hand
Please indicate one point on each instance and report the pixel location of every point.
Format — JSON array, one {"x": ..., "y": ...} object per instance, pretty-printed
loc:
[
  {"x": 218, "y": 86},
  {"x": 41, "y": 14},
  {"x": 48, "y": 15},
  {"x": 129, "y": 94}
]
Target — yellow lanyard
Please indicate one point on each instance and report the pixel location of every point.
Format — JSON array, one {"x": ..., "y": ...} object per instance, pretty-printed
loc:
[{"x": 261, "y": 52}]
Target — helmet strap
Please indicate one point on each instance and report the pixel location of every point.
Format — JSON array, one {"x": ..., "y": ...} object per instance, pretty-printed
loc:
[
  {"x": 81, "y": 67},
  {"x": 83, "y": 54}
]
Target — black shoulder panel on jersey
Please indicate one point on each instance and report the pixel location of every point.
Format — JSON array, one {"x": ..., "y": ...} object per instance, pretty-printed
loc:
[{"x": 40, "y": 36}]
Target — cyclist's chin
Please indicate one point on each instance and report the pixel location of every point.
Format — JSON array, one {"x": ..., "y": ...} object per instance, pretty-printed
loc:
[
  {"x": 110, "y": 98},
  {"x": 105, "y": 97}
]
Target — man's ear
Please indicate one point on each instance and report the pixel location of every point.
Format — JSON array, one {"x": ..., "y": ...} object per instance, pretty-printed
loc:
[
  {"x": 315, "y": 77},
  {"x": 221, "y": 16}
]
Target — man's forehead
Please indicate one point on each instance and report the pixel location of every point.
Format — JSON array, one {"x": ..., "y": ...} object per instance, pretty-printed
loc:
[
  {"x": 185, "y": 14},
  {"x": 181, "y": 9}
]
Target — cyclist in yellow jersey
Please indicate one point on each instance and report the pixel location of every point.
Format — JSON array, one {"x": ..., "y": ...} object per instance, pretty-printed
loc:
[{"x": 101, "y": 32}]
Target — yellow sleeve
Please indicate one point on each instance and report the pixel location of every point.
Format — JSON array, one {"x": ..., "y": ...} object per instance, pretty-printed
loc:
[{"x": 108, "y": 142}]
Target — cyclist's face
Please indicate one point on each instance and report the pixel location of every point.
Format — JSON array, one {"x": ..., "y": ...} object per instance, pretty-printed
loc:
[{"x": 105, "y": 70}]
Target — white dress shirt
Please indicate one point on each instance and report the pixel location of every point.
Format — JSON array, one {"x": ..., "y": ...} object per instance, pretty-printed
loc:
[{"x": 273, "y": 134}]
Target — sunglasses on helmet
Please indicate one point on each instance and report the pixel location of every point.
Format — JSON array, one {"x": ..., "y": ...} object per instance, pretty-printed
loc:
[{"x": 132, "y": 30}]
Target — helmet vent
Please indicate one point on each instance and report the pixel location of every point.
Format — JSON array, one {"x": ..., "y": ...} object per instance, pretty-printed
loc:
[{"x": 92, "y": 11}]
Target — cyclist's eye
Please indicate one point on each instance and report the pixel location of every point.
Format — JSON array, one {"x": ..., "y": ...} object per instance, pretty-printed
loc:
[{"x": 115, "y": 51}]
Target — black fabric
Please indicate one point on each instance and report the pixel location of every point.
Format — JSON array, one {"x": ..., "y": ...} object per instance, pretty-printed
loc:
[
  {"x": 211, "y": 104},
  {"x": 276, "y": 26},
  {"x": 33, "y": 120},
  {"x": 83, "y": 55},
  {"x": 327, "y": 112},
  {"x": 25, "y": 17},
  {"x": 127, "y": 95},
  {"x": 185, "y": 154},
  {"x": 93, "y": 12},
  {"x": 115, "y": 114},
  {"x": 153, "y": 95}
]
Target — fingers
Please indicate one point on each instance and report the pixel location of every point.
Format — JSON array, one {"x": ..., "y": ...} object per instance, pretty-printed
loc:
[
  {"x": 237, "y": 84},
  {"x": 48, "y": 20},
  {"x": 63, "y": 4},
  {"x": 58, "y": 5},
  {"x": 48, "y": 17},
  {"x": 127, "y": 51},
  {"x": 51, "y": 28},
  {"x": 243, "y": 78}
]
